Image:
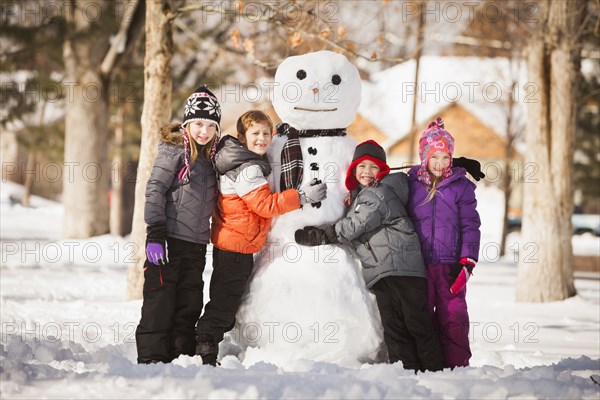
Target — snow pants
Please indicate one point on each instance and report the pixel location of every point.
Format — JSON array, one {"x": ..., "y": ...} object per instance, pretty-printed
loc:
[
  {"x": 228, "y": 283},
  {"x": 408, "y": 328},
  {"x": 173, "y": 300},
  {"x": 451, "y": 316}
]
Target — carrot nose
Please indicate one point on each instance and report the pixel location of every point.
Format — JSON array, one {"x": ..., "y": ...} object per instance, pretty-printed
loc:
[{"x": 315, "y": 90}]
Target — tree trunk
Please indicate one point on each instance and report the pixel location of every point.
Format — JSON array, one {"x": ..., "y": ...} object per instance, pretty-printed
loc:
[
  {"x": 156, "y": 113},
  {"x": 30, "y": 174},
  {"x": 116, "y": 193},
  {"x": 565, "y": 19},
  {"x": 507, "y": 189},
  {"x": 507, "y": 176},
  {"x": 419, "y": 49},
  {"x": 86, "y": 174},
  {"x": 545, "y": 262}
]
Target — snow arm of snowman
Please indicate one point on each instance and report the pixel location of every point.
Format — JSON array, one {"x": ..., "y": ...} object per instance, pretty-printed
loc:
[{"x": 366, "y": 216}]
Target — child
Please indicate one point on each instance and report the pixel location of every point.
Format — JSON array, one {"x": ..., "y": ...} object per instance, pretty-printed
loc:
[
  {"x": 180, "y": 199},
  {"x": 442, "y": 206},
  {"x": 243, "y": 216},
  {"x": 378, "y": 227}
]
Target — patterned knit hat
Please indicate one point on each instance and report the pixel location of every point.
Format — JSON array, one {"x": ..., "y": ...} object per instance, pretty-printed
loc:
[
  {"x": 368, "y": 150},
  {"x": 434, "y": 139},
  {"x": 202, "y": 105}
]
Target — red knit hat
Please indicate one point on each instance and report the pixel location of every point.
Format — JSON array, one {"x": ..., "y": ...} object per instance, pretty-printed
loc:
[{"x": 367, "y": 150}]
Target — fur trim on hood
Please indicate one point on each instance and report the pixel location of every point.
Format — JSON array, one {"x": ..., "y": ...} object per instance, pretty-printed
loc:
[{"x": 171, "y": 134}]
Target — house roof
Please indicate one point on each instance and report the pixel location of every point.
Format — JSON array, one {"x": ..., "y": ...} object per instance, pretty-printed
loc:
[
  {"x": 473, "y": 138},
  {"x": 362, "y": 129},
  {"x": 480, "y": 85}
]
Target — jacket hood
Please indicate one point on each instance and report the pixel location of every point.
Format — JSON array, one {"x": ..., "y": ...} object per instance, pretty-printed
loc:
[
  {"x": 231, "y": 155},
  {"x": 170, "y": 134},
  {"x": 352, "y": 183},
  {"x": 394, "y": 182}
]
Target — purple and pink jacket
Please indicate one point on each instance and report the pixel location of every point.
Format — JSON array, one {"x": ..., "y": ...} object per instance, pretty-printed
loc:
[{"x": 448, "y": 225}]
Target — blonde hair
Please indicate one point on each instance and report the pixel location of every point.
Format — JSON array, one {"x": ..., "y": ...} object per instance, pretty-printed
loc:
[
  {"x": 206, "y": 148},
  {"x": 246, "y": 120},
  {"x": 435, "y": 181}
]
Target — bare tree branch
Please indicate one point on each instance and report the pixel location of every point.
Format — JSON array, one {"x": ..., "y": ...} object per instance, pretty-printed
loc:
[
  {"x": 269, "y": 16},
  {"x": 125, "y": 38}
]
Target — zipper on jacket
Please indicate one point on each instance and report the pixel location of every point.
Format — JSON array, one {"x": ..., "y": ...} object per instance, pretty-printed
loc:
[
  {"x": 432, "y": 231},
  {"x": 368, "y": 246},
  {"x": 205, "y": 187}
]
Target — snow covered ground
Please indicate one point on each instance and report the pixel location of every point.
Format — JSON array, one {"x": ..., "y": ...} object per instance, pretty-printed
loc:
[{"x": 67, "y": 331}]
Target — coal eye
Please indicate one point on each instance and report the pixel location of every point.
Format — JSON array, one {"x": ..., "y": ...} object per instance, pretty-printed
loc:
[
  {"x": 336, "y": 80},
  {"x": 301, "y": 74}
]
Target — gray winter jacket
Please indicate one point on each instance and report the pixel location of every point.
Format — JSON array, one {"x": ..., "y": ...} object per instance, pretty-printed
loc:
[
  {"x": 378, "y": 228},
  {"x": 185, "y": 209}
]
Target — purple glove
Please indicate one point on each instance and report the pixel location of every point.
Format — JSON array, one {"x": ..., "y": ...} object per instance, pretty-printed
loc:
[
  {"x": 156, "y": 254},
  {"x": 156, "y": 245}
]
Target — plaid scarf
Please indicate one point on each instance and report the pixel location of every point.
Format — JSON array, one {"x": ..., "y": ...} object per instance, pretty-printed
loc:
[{"x": 292, "y": 166}]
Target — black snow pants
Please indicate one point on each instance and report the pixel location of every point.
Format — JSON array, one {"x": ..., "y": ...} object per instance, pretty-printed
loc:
[
  {"x": 408, "y": 328},
  {"x": 228, "y": 283},
  {"x": 173, "y": 300}
]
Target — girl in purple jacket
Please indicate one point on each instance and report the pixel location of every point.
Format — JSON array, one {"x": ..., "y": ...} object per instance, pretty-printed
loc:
[{"x": 442, "y": 206}]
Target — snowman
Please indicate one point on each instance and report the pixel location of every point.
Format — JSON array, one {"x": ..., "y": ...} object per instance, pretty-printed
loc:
[{"x": 310, "y": 302}]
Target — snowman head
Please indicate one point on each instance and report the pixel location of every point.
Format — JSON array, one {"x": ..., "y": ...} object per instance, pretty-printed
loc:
[{"x": 319, "y": 90}]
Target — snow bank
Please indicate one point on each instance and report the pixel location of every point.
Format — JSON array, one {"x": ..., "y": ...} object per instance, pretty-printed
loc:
[{"x": 66, "y": 370}]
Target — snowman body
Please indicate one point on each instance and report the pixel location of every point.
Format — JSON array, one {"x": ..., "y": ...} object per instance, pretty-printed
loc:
[{"x": 311, "y": 302}]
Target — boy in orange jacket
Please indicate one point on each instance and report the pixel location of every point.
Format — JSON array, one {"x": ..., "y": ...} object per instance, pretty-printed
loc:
[{"x": 245, "y": 206}]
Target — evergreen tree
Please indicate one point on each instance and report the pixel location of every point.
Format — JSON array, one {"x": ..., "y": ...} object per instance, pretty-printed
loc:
[
  {"x": 587, "y": 147},
  {"x": 31, "y": 59}
]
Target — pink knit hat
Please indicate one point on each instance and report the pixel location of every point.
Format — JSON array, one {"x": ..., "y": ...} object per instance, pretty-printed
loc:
[{"x": 434, "y": 139}]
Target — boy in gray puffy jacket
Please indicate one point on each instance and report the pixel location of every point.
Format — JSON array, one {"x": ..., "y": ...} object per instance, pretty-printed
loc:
[{"x": 378, "y": 228}]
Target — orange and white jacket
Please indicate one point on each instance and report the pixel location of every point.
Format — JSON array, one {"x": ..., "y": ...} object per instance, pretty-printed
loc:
[{"x": 245, "y": 204}]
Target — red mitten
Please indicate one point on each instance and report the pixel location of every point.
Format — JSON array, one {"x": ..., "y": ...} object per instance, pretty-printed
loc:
[{"x": 463, "y": 276}]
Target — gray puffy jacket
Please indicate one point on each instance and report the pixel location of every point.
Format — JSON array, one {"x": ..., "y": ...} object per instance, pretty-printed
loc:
[
  {"x": 378, "y": 228},
  {"x": 185, "y": 209}
]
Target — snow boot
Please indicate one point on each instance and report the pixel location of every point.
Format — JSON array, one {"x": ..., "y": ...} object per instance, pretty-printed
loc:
[
  {"x": 149, "y": 361},
  {"x": 208, "y": 350}
]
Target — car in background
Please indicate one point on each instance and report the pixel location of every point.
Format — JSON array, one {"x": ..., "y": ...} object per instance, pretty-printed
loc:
[{"x": 582, "y": 223}]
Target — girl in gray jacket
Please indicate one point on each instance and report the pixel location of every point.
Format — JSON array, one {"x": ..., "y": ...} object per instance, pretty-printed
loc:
[
  {"x": 378, "y": 228},
  {"x": 180, "y": 199}
]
